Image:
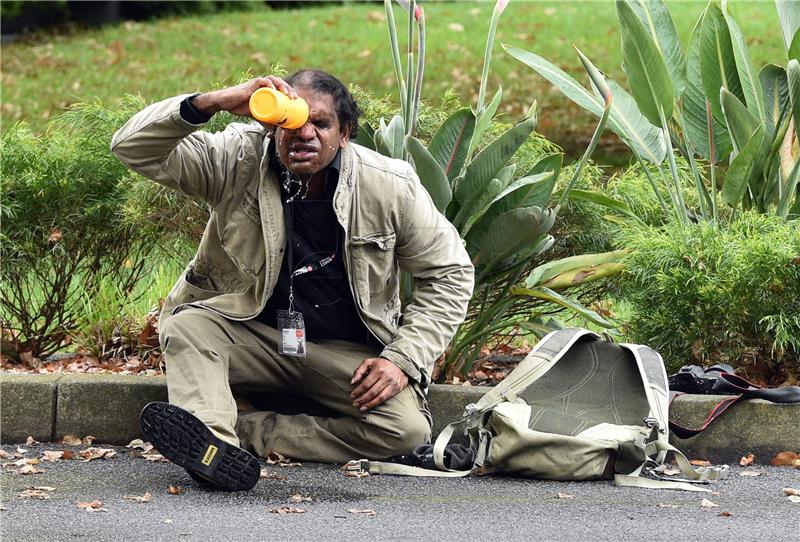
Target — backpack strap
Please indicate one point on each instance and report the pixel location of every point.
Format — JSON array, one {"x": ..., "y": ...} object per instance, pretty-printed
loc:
[{"x": 656, "y": 445}]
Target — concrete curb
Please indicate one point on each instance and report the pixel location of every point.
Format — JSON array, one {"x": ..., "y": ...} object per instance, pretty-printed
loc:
[{"x": 47, "y": 407}]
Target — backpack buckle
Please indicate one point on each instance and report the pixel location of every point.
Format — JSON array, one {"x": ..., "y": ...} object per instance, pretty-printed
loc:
[
  {"x": 651, "y": 422},
  {"x": 356, "y": 467}
]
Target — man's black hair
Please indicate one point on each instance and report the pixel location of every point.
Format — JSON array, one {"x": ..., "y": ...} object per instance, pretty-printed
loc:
[{"x": 320, "y": 81}]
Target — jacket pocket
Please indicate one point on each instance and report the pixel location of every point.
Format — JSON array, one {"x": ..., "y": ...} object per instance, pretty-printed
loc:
[
  {"x": 242, "y": 238},
  {"x": 375, "y": 263}
]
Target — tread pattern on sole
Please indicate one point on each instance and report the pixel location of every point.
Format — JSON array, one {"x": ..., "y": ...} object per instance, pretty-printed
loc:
[{"x": 183, "y": 439}]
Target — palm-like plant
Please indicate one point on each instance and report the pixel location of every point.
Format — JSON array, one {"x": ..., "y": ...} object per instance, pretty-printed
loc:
[
  {"x": 709, "y": 102},
  {"x": 502, "y": 217}
]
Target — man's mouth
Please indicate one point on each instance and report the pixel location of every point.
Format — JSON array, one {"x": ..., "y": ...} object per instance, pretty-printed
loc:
[{"x": 302, "y": 153}]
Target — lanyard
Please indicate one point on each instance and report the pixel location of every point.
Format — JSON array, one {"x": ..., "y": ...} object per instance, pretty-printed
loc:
[{"x": 313, "y": 266}]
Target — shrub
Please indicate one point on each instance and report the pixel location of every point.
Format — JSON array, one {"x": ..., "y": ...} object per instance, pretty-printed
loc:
[
  {"x": 703, "y": 294},
  {"x": 62, "y": 231}
]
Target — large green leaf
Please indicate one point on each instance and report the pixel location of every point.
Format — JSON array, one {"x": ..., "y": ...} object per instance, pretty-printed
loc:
[
  {"x": 656, "y": 18},
  {"x": 794, "y": 48},
  {"x": 717, "y": 59},
  {"x": 741, "y": 122},
  {"x": 793, "y": 79},
  {"x": 694, "y": 105},
  {"x": 645, "y": 67},
  {"x": 484, "y": 118},
  {"x": 430, "y": 173},
  {"x": 547, "y": 294},
  {"x": 531, "y": 190},
  {"x": 604, "y": 200},
  {"x": 789, "y": 15},
  {"x": 366, "y": 136},
  {"x": 389, "y": 139},
  {"x": 748, "y": 76},
  {"x": 550, "y": 163},
  {"x": 550, "y": 270},
  {"x": 626, "y": 121},
  {"x": 488, "y": 163},
  {"x": 450, "y": 143},
  {"x": 511, "y": 232},
  {"x": 471, "y": 211},
  {"x": 775, "y": 89},
  {"x": 744, "y": 168}
]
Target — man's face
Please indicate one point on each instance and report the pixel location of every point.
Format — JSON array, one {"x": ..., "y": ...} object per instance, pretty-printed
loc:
[{"x": 310, "y": 148}]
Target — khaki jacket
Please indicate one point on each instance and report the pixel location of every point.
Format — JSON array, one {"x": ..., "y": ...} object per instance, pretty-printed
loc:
[{"x": 389, "y": 220}]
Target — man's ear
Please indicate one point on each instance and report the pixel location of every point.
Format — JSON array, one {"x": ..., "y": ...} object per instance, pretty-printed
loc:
[{"x": 344, "y": 137}]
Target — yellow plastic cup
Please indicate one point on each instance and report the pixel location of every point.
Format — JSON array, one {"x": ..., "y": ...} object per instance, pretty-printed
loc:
[{"x": 276, "y": 108}]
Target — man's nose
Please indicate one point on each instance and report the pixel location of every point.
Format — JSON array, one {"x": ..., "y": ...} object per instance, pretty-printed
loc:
[{"x": 306, "y": 131}]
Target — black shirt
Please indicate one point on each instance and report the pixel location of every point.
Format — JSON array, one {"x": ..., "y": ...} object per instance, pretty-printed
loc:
[{"x": 323, "y": 295}]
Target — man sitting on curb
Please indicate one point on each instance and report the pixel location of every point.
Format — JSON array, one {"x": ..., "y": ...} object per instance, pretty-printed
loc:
[{"x": 295, "y": 284}]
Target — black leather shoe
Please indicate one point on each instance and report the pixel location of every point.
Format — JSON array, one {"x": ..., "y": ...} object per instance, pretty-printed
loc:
[{"x": 186, "y": 441}]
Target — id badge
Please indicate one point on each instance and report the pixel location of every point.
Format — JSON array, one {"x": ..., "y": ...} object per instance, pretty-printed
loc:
[{"x": 293, "y": 333}]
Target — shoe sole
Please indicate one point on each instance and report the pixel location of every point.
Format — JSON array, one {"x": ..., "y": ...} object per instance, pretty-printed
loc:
[{"x": 186, "y": 441}]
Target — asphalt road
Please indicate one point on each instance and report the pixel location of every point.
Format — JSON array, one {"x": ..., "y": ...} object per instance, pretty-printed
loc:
[{"x": 475, "y": 508}]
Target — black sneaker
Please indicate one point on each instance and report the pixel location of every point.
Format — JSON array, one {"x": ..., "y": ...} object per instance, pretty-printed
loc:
[{"x": 186, "y": 441}]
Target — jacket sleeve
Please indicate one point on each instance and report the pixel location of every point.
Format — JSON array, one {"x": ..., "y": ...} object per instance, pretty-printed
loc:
[
  {"x": 430, "y": 249},
  {"x": 159, "y": 144}
]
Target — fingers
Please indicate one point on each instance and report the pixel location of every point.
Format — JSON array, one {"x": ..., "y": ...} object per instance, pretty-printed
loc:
[
  {"x": 273, "y": 81},
  {"x": 361, "y": 371},
  {"x": 383, "y": 381}
]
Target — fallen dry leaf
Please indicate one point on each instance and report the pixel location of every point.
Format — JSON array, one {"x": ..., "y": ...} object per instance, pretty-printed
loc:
[
  {"x": 147, "y": 497},
  {"x": 26, "y": 461},
  {"x": 68, "y": 454},
  {"x": 30, "y": 469},
  {"x": 55, "y": 236},
  {"x": 40, "y": 493},
  {"x": 790, "y": 491},
  {"x": 174, "y": 490},
  {"x": 784, "y": 459},
  {"x": 30, "y": 441},
  {"x": 366, "y": 512},
  {"x": 726, "y": 514},
  {"x": 671, "y": 471},
  {"x": 96, "y": 453},
  {"x": 21, "y": 451},
  {"x": 794, "y": 498},
  {"x": 705, "y": 503},
  {"x": 751, "y": 473},
  {"x": 5, "y": 455},
  {"x": 71, "y": 440},
  {"x": 565, "y": 496},
  {"x": 287, "y": 510},
  {"x": 92, "y": 506},
  {"x": 274, "y": 458},
  {"x": 52, "y": 455},
  {"x": 153, "y": 455},
  {"x": 140, "y": 444},
  {"x": 272, "y": 475},
  {"x": 747, "y": 460},
  {"x": 666, "y": 505},
  {"x": 87, "y": 440},
  {"x": 700, "y": 462},
  {"x": 297, "y": 499}
]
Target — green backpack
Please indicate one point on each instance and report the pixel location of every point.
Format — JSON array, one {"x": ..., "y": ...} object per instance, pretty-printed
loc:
[{"x": 578, "y": 407}]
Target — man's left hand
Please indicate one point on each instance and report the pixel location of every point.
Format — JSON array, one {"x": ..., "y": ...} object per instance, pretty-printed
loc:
[{"x": 376, "y": 380}]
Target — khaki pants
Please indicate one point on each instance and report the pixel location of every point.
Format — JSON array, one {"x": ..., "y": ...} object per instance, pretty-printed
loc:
[{"x": 209, "y": 358}]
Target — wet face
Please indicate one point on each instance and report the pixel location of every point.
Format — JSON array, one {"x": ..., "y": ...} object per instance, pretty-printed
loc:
[{"x": 312, "y": 147}]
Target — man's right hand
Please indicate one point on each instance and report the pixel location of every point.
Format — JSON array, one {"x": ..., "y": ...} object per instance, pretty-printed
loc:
[{"x": 236, "y": 99}]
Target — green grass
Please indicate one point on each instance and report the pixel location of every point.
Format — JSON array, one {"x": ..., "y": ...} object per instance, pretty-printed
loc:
[{"x": 158, "y": 59}]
